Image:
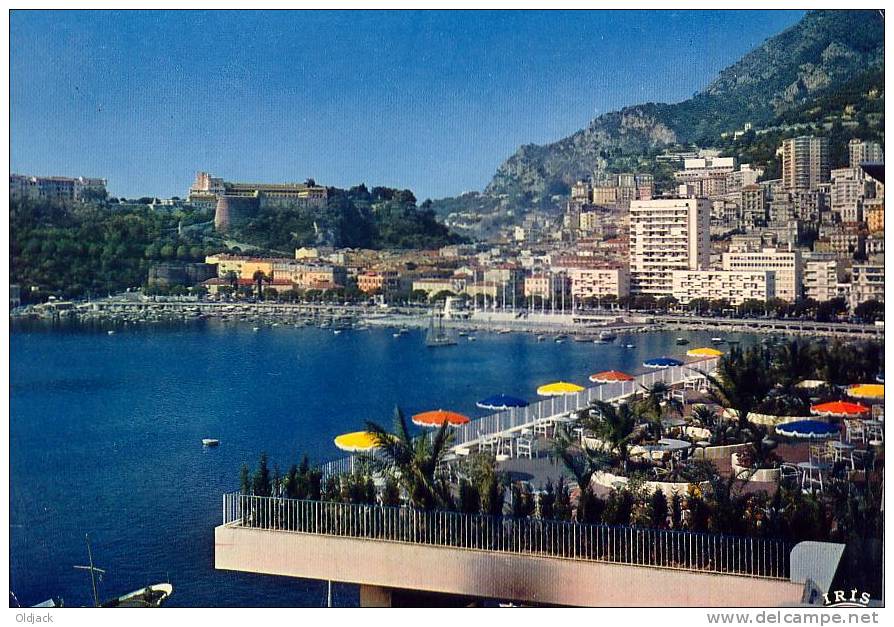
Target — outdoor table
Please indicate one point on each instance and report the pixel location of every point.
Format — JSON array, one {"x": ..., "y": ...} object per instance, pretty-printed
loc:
[
  {"x": 579, "y": 432},
  {"x": 651, "y": 448},
  {"x": 673, "y": 423},
  {"x": 843, "y": 452},
  {"x": 808, "y": 468},
  {"x": 675, "y": 447}
]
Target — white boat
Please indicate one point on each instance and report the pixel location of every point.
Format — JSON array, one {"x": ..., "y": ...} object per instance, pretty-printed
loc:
[
  {"x": 150, "y": 596},
  {"x": 541, "y": 338},
  {"x": 210, "y": 442},
  {"x": 256, "y": 329},
  {"x": 607, "y": 336},
  {"x": 630, "y": 346},
  {"x": 336, "y": 332},
  {"x": 110, "y": 332},
  {"x": 471, "y": 338},
  {"x": 717, "y": 340}
]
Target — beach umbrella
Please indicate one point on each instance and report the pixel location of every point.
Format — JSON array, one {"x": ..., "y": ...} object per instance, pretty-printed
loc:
[
  {"x": 705, "y": 351},
  {"x": 873, "y": 391},
  {"x": 437, "y": 417},
  {"x": 357, "y": 441},
  {"x": 839, "y": 408},
  {"x": 559, "y": 388},
  {"x": 807, "y": 429},
  {"x": 610, "y": 376},
  {"x": 662, "y": 362},
  {"x": 501, "y": 402}
]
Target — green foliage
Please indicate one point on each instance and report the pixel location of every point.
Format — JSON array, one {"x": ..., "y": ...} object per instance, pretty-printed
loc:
[
  {"x": 658, "y": 510},
  {"x": 97, "y": 248},
  {"x": 414, "y": 460},
  {"x": 356, "y": 218},
  {"x": 523, "y": 504},
  {"x": 469, "y": 498}
]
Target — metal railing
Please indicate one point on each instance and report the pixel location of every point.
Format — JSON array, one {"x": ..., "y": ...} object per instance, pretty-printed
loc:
[
  {"x": 515, "y": 419},
  {"x": 636, "y": 546}
]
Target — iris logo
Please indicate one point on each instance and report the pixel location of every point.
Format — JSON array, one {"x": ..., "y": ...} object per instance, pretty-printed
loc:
[{"x": 846, "y": 598}]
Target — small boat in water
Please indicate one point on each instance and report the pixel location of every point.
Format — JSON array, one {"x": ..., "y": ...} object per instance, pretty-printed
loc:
[
  {"x": 630, "y": 346},
  {"x": 336, "y": 332},
  {"x": 681, "y": 341},
  {"x": 717, "y": 340},
  {"x": 541, "y": 338},
  {"x": 210, "y": 442},
  {"x": 150, "y": 596},
  {"x": 606, "y": 336},
  {"x": 110, "y": 332}
]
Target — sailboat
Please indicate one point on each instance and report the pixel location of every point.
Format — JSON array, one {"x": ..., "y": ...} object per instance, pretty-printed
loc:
[
  {"x": 150, "y": 596},
  {"x": 437, "y": 335}
]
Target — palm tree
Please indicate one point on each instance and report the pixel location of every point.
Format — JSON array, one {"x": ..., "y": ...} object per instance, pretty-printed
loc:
[
  {"x": 742, "y": 382},
  {"x": 582, "y": 464},
  {"x": 259, "y": 277},
  {"x": 657, "y": 398},
  {"x": 793, "y": 364},
  {"x": 233, "y": 279},
  {"x": 414, "y": 461},
  {"x": 613, "y": 425}
]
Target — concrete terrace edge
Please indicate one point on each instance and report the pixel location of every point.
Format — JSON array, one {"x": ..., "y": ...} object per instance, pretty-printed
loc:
[{"x": 504, "y": 576}]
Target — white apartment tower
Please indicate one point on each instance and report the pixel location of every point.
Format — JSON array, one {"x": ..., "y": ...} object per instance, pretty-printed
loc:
[
  {"x": 864, "y": 152},
  {"x": 667, "y": 235},
  {"x": 805, "y": 163}
]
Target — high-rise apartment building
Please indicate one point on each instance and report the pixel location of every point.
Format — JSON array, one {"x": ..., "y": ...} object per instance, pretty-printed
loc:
[
  {"x": 805, "y": 163},
  {"x": 667, "y": 235},
  {"x": 864, "y": 152},
  {"x": 785, "y": 264}
]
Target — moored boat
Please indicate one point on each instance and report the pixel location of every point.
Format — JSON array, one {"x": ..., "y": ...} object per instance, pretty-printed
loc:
[
  {"x": 210, "y": 442},
  {"x": 150, "y": 596}
]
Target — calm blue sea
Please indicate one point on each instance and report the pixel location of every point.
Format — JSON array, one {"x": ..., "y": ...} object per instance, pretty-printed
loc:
[{"x": 106, "y": 430}]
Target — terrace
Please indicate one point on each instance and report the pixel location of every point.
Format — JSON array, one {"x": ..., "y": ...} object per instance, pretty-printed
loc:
[{"x": 602, "y": 508}]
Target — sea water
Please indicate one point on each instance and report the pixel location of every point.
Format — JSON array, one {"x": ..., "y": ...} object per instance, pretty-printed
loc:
[{"x": 106, "y": 435}]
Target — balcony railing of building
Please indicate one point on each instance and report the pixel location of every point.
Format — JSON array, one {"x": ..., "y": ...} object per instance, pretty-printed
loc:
[
  {"x": 635, "y": 546},
  {"x": 551, "y": 408}
]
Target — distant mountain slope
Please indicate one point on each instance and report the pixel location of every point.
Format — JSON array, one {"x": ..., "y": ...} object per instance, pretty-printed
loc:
[{"x": 823, "y": 51}]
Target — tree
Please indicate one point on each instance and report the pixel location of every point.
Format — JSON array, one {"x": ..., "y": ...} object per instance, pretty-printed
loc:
[
  {"x": 260, "y": 483},
  {"x": 742, "y": 381},
  {"x": 753, "y": 306},
  {"x": 413, "y": 461},
  {"x": 666, "y": 302},
  {"x": 656, "y": 398},
  {"x": 259, "y": 277},
  {"x": 582, "y": 464},
  {"x": 870, "y": 311},
  {"x": 441, "y": 296},
  {"x": 699, "y": 305},
  {"x": 612, "y": 424},
  {"x": 658, "y": 510}
]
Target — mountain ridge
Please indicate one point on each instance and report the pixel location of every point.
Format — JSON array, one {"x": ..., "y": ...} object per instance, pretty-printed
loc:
[{"x": 823, "y": 50}]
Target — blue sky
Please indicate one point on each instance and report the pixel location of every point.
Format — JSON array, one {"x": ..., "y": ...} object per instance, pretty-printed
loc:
[{"x": 431, "y": 101}]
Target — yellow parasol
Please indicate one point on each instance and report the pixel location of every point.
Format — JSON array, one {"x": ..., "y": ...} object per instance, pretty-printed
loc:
[
  {"x": 559, "y": 388},
  {"x": 704, "y": 352},
  {"x": 357, "y": 441},
  {"x": 867, "y": 390}
]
